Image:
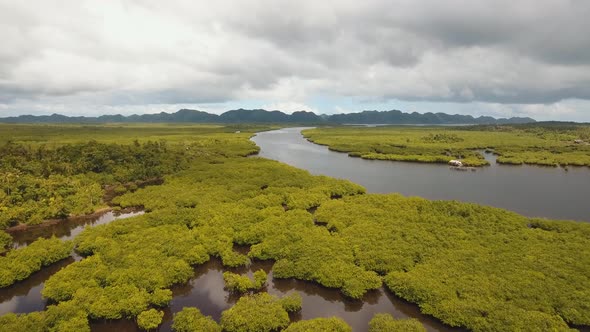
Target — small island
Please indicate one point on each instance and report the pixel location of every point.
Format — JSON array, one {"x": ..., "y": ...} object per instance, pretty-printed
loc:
[{"x": 544, "y": 144}]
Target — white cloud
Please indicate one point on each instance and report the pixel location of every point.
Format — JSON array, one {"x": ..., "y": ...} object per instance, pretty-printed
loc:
[
  {"x": 97, "y": 57},
  {"x": 290, "y": 107}
]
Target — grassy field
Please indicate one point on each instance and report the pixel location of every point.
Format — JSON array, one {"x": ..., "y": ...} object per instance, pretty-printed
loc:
[
  {"x": 538, "y": 144},
  {"x": 53, "y": 135},
  {"x": 482, "y": 268}
]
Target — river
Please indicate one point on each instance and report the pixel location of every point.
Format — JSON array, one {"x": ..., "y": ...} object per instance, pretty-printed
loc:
[{"x": 533, "y": 191}]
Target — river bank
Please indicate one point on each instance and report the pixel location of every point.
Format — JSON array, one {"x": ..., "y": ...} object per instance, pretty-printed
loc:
[{"x": 534, "y": 191}]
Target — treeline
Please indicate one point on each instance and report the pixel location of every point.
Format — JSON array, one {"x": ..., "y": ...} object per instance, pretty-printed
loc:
[{"x": 38, "y": 182}]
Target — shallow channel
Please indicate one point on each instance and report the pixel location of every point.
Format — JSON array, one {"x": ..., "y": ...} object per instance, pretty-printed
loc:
[
  {"x": 25, "y": 296},
  {"x": 206, "y": 292}
]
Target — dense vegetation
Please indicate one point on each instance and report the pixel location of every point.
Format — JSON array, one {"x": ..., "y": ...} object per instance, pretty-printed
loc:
[
  {"x": 469, "y": 265},
  {"x": 539, "y": 144},
  {"x": 40, "y": 183},
  {"x": 20, "y": 264},
  {"x": 150, "y": 319},
  {"x": 386, "y": 323},
  {"x": 64, "y": 317},
  {"x": 258, "y": 312},
  {"x": 241, "y": 284},
  {"x": 478, "y": 267},
  {"x": 58, "y": 178},
  {"x": 5, "y": 241},
  {"x": 192, "y": 320},
  {"x": 332, "y": 324}
]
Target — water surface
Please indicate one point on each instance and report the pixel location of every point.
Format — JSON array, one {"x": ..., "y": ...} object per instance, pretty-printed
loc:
[
  {"x": 206, "y": 292},
  {"x": 66, "y": 229},
  {"x": 530, "y": 190},
  {"x": 25, "y": 296}
]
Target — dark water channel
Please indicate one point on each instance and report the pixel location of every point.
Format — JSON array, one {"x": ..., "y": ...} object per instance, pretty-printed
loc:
[
  {"x": 205, "y": 291},
  {"x": 530, "y": 190},
  {"x": 25, "y": 296},
  {"x": 65, "y": 229}
]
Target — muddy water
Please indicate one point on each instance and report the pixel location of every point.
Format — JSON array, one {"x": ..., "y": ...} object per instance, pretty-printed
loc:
[
  {"x": 25, "y": 296},
  {"x": 66, "y": 229},
  {"x": 205, "y": 291}
]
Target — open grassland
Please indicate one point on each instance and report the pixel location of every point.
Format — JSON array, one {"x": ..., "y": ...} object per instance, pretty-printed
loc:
[
  {"x": 481, "y": 268},
  {"x": 538, "y": 144},
  {"x": 53, "y": 135}
]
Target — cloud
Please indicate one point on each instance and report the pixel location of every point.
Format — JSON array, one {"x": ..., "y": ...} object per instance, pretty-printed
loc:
[
  {"x": 290, "y": 107},
  {"x": 132, "y": 53}
]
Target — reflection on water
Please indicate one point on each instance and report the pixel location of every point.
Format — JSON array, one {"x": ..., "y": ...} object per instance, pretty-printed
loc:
[
  {"x": 25, "y": 296},
  {"x": 205, "y": 291},
  {"x": 65, "y": 229},
  {"x": 530, "y": 190}
]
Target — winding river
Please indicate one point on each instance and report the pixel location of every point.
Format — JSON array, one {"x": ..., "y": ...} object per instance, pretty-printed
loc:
[{"x": 533, "y": 191}]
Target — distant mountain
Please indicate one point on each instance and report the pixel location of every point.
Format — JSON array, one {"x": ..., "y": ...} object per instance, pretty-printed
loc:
[
  {"x": 253, "y": 116},
  {"x": 398, "y": 117},
  {"x": 264, "y": 116}
]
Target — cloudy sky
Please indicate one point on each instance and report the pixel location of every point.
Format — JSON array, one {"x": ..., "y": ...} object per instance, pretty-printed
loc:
[{"x": 492, "y": 57}]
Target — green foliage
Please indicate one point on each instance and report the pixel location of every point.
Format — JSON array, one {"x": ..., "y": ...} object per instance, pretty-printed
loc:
[
  {"x": 253, "y": 313},
  {"x": 161, "y": 297},
  {"x": 537, "y": 144},
  {"x": 29, "y": 198},
  {"x": 332, "y": 324},
  {"x": 386, "y": 323},
  {"x": 57, "y": 171},
  {"x": 65, "y": 317},
  {"x": 19, "y": 264},
  {"x": 241, "y": 284},
  {"x": 130, "y": 267},
  {"x": 231, "y": 258},
  {"x": 294, "y": 244},
  {"x": 291, "y": 302},
  {"x": 192, "y": 320},
  {"x": 5, "y": 241},
  {"x": 150, "y": 319},
  {"x": 197, "y": 213},
  {"x": 478, "y": 267},
  {"x": 259, "y": 279}
]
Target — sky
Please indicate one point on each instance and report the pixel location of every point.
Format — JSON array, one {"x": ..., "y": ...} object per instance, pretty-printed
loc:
[{"x": 480, "y": 57}]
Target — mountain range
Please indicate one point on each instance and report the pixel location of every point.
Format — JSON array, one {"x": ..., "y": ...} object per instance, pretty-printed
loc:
[{"x": 264, "y": 116}]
